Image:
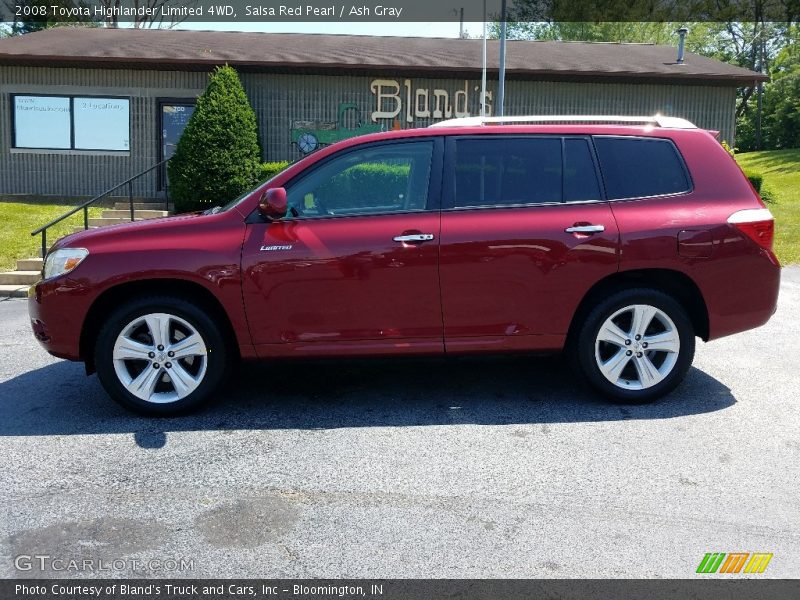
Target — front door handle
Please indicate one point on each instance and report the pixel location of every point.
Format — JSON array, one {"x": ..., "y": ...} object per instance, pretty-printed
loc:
[
  {"x": 413, "y": 237},
  {"x": 585, "y": 229}
]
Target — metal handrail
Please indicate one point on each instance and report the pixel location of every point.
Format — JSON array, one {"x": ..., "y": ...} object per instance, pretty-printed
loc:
[{"x": 85, "y": 206}]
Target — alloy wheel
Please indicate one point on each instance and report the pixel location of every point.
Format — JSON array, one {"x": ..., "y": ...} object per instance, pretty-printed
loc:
[
  {"x": 160, "y": 358},
  {"x": 637, "y": 347}
]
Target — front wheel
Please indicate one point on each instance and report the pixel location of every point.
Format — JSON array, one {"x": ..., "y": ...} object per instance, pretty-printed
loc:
[
  {"x": 636, "y": 345},
  {"x": 160, "y": 356}
]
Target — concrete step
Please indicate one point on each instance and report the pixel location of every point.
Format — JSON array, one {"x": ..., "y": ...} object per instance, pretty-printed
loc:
[
  {"x": 141, "y": 206},
  {"x": 101, "y": 222},
  {"x": 14, "y": 291},
  {"x": 76, "y": 230},
  {"x": 29, "y": 264},
  {"x": 19, "y": 278},
  {"x": 138, "y": 214}
]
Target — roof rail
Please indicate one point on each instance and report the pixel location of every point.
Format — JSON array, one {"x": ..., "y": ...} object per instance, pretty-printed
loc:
[{"x": 657, "y": 120}]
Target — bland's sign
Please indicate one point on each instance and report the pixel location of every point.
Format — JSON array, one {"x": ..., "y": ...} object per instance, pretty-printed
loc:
[{"x": 407, "y": 102}]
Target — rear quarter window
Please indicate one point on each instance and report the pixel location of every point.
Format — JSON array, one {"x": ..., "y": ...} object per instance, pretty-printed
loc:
[{"x": 640, "y": 167}]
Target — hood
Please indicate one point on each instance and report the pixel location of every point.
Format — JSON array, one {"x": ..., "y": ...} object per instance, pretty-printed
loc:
[{"x": 136, "y": 230}]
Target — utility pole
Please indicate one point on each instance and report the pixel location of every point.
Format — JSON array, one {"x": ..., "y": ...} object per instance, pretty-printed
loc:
[
  {"x": 483, "y": 65},
  {"x": 461, "y": 24},
  {"x": 501, "y": 89},
  {"x": 760, "y": 94}
]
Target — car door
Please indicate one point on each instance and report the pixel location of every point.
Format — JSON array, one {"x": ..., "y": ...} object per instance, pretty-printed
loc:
[
  {"x": 525, "y": 234},
  {"x": 353, "y": 268}
]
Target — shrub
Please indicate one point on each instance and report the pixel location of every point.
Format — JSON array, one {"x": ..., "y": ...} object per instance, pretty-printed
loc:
[
  {"x": 767, "y": 195},
  {"x": 756, "y": 178},
  {"x": 727, "y": 147},
  {"x": 217, "y": 157},
  {"x": 368, "y": 184},
  {"x": 270, "y": 169}
]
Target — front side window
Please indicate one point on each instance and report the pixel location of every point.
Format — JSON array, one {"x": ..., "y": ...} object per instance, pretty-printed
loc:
[
  {"x": 640, "y": 167},
  {"x": 507, "y": 171},
  {"x": 375, "y": 180}
]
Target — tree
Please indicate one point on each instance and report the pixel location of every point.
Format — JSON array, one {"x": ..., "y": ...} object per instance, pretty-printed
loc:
[
  {"x": 217, "y": 157},
  {"x": 755, "y": 44},
  {"x": 781, "y": 106}
]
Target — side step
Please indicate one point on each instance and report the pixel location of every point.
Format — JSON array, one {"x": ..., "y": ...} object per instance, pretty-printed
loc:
[
  {"x": 141, "y": 206},
  {"x": 13, "y": 291},
  {"x": 19, "y": 278},
  {"x": 30, "y": 264},
  {"x": 139, "y": 214}
]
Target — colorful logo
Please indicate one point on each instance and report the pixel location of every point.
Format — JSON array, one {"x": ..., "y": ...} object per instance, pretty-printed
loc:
[{"x": 734, "y": 562}]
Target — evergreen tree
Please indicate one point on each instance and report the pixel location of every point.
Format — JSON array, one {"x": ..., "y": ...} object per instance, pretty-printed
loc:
[{"x": 217, "y": 157}]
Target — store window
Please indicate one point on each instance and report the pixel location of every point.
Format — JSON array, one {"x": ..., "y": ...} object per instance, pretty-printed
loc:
[{"x": 71, "y": 123}]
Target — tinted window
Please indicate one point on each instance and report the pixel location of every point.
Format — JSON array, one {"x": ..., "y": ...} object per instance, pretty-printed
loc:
[
  {"x": 382, "y": 179},
  {"x": 580, "y": 177},
  {"x": 492, "y": 172},
  {"x": 636, "y": 167}
]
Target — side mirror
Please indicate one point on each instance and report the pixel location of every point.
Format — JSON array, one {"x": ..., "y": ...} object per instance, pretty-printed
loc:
[{"x": 273, "y": 204}]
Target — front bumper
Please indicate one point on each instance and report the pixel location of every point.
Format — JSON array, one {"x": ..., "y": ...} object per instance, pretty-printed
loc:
[{"x": 57, "y": 309}]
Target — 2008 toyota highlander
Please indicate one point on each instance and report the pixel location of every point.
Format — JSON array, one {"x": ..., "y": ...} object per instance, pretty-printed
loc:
[{"x": 619, "y": 242}]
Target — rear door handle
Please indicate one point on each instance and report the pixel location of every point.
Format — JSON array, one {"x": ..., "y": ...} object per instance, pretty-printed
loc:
[
  {"x": 414, "y": 237},
  {"x": 585, "y": 229}
]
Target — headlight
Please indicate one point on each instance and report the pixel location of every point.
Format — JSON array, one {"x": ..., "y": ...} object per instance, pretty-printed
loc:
[{"x": 63, "y": 261}]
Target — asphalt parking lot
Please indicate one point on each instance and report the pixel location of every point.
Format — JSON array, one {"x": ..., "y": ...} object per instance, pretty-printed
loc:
[{"x": 477, "y": 467}]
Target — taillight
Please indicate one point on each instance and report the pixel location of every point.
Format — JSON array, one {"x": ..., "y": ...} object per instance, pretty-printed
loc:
[{"x": 755, "y": 223}]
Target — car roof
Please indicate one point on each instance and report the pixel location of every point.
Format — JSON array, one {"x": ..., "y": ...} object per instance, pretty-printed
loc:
[{"x": 543, "y": 129}]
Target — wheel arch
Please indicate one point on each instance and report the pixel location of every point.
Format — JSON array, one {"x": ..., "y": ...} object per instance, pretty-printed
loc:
[
  {"x": 675, "y": 283},
  {"x": 109, "y": 299}
]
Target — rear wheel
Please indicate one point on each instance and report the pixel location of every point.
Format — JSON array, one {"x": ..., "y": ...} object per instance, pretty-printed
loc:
[
  {"x": 636, "y": 345},
  {"x": 160, "y": 356}
]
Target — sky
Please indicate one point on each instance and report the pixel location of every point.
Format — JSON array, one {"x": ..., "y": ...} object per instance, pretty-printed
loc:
[{"x": 449, "y": 29}]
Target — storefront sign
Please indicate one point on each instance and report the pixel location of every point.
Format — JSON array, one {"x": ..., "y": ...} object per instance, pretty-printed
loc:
[{"x": 396, "y": 101}]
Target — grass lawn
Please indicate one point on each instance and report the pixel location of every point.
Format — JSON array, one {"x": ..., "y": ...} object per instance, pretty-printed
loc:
[
  {"x": 18, "y": 219},
  {"x": 781, "y": 171}
]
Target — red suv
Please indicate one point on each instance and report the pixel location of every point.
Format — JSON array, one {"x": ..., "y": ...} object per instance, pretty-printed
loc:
[{"x": 619, "y": 243}]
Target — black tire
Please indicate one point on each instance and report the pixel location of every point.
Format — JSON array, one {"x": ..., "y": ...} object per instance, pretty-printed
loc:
[
  {"x": 584, "y": 345},
  {"x": 217, "y": 358}
]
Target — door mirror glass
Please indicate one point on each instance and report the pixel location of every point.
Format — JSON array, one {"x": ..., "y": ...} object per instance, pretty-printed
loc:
[{"x": 272, "y": 204}]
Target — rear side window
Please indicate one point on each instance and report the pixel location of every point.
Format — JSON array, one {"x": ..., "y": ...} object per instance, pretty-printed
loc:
[
  {"x": 639, "y": 167},
  {"x": 504, "y": 171}
]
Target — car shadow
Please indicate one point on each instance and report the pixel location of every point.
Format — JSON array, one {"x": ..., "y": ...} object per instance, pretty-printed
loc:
[{"x": 59, "y": 399}]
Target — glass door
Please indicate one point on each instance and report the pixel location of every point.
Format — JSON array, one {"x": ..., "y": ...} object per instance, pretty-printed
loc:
[{"x": 173, "y": 117}]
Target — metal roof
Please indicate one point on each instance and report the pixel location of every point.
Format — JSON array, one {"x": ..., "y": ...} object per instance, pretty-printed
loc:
[{"x": 331, "y": 54}]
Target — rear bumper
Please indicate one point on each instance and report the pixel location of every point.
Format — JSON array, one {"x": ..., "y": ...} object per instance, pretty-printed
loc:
[
  {"x": 57, "y": 309},
  {"x": 744, "y": 296}
]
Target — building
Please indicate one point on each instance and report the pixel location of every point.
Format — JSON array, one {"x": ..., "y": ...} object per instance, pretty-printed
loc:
[{"x": 82, "y": 109}]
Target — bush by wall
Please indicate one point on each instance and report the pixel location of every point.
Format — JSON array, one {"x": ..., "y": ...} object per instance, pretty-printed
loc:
[
  {"x": 757, "y": 179},
  {"x": 270, "y": 169},
  {"x": 217, "y": 157},
  {"x": 368, "y": 184}
]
